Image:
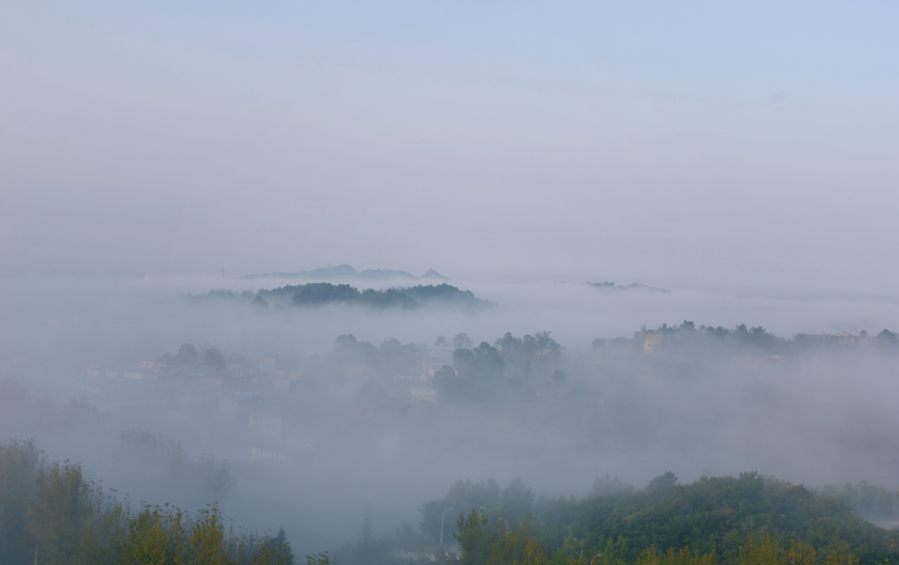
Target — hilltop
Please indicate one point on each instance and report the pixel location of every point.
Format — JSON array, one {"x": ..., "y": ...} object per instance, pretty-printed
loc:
[
  {"x": 320, "y": 294},
  {"x": 349, "y": 272},
  {"x": 633, "y": 286}
]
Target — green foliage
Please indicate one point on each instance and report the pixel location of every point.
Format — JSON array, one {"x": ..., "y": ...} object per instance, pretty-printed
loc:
[
  {"x": 397, "y": 359},
  {"x": 709, "y": 337},
  {"x": 220, "y": 294},
  {"x": 323, "y": 293},
  {"x": 187, "y": 354},
  {"x": 348, "y": 353},
  {"x": 214, "y": 357},
  {"x": 717, "y": 515},
  {"x": 476, "y": 539},
  {"x": 446, "y": 295},
  {"x": 510, "y": 505},
  {"x": 317, "y": 294},
  {"x": 519, "y": 546},
  {"x": 164, "y": 534},
  {"x": 767, "y": 550},
  {"x": 660, "y": 485},
  {"x": 19, "y": 463},
  {"x": 887, "y": 339},
  {"x": 536, "y": 355},
  {"x": 734, "y": 520},
  {"x": 462, "y": 341},
  {"x": 611, "y": 486},
  {"x": 482, "y": 545},
  {"x": 756, "y": 339},
  {"x": 318, "y": 559},
  {"x": 516, "y": 502},
  {"x": 481, "y": 363},
  {"x": 478, "y": 371},
  {"x": 281, "y": 551},
  {"x": 462, "y": 496},
  {"x": 652, "y": 556},
  {"x": 67, "y": 514},
  {"x": 55, "y": 508},
  {"x": 390, "y": 298}
]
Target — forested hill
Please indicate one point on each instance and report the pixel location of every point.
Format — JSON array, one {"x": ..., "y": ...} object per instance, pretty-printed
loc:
[
  {"x": 715, "y": 515},
  {"x": 744, "y": 520},
  {"x": 320, "y": 294}
]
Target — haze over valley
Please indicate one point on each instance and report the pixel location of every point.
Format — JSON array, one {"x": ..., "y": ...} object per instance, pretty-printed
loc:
[{"x": 407, "y": 283}]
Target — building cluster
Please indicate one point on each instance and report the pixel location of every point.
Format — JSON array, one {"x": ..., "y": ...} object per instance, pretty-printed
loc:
[{"x": 248, "y": 393}]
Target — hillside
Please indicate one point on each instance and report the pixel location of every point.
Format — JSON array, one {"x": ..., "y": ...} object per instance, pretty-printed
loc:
[
  {"x": 349, "y": 272},
  {"x": 742, "y": 520},
  {"x": 320, "y": 294}
]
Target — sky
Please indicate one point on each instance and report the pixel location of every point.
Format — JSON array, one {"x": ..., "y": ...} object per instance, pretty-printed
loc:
[
  {"x": 744, "y": 156},
  {"x": 750, "y": 147}
]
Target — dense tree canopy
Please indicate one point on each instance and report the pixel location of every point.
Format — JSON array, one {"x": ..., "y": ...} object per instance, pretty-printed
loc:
[{"x": 53, "y": 512}]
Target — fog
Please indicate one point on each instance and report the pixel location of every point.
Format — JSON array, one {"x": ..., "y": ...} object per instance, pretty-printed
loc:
[
  {"x": 162, "y": 163},
  {"x": 351, "y": 436}
]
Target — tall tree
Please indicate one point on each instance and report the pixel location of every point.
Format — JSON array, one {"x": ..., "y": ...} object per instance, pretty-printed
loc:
[{"x": 19, "y": 463}]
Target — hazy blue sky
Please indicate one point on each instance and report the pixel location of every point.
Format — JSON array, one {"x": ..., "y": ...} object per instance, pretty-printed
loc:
[{"x": 750, "y": 145}]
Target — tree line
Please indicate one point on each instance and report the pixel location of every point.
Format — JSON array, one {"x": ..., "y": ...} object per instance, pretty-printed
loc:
[
  {"x": 757, "y": 338},
  {"x": 52, "y": 513},
  {"x": 321, "y": 294},
  {"x": 743, "y": 520}
]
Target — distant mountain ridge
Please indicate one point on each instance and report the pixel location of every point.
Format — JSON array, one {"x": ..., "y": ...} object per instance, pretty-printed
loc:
[
  {"x": 348, "y": 272},
  {"x": 322, "y": 293},
  {"x": 634, "y": 286}
]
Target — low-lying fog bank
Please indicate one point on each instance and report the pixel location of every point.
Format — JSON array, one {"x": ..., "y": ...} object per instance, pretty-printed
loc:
[{"x": 308, "y": 418}]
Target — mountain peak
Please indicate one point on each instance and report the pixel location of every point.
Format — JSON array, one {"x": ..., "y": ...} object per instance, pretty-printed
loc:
[{"x": 432, "y": 274}]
